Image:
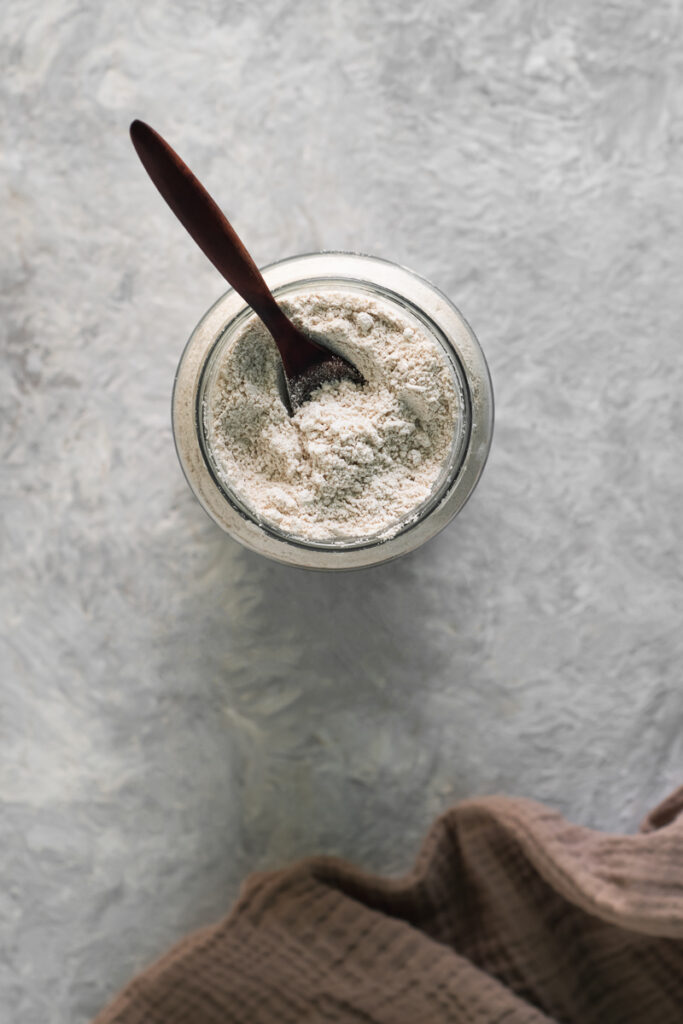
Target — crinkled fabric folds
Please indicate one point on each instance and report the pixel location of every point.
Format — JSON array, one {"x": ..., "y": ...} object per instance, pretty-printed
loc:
[{"x": 510, "y": 914}]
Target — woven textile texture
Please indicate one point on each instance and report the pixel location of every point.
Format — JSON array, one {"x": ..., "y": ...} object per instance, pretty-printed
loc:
[{"x": 510, "y": 914}]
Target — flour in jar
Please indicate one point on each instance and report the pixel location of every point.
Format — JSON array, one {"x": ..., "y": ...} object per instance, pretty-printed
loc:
[{"x": 354, "y": 461}]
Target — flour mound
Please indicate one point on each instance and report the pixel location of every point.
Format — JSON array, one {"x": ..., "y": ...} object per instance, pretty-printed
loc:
[{"x": 355, "y": 460}]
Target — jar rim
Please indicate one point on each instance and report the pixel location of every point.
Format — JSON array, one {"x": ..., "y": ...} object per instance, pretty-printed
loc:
[{"x": 449, "y": 470}]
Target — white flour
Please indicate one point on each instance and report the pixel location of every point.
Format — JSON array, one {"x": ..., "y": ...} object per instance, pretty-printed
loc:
[{"x": 354, "y": 461}]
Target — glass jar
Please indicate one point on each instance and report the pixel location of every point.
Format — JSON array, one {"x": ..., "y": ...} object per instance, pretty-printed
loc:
[{"x": 439, "y": 318}]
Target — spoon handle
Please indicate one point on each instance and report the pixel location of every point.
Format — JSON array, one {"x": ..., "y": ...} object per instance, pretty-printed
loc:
[{"x": 205, "y": 222}]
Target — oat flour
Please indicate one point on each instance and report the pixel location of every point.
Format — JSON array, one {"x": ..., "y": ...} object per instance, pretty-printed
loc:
[{"x": 354, "y": 461}]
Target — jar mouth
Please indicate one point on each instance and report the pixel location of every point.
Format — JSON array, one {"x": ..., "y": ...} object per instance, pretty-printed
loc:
[{"x": 450, "y": 468}]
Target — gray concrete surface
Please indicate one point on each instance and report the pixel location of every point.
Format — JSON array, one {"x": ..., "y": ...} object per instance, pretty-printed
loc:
[{"x": 175, "y": 711}]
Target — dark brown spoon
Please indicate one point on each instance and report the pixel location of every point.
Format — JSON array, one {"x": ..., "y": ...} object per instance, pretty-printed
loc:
[{"x": 306, "y": 364}]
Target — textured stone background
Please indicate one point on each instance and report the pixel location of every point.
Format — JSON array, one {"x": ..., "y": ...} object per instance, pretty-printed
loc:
[{"x": 176, "y": 711}]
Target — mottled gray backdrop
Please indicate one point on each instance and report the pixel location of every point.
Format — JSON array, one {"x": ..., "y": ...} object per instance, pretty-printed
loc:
[{"x": 176, "y": 711}]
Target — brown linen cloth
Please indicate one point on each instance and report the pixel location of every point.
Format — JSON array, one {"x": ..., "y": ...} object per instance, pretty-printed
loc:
[{"x": 510, "y": 915}]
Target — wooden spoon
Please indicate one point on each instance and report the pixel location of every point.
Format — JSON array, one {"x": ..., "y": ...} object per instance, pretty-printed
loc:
[{"x": 306, "y": 364}]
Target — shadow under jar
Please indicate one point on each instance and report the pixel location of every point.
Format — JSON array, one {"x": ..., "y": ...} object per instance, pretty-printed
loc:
[{"x": 417, "y": 302}]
